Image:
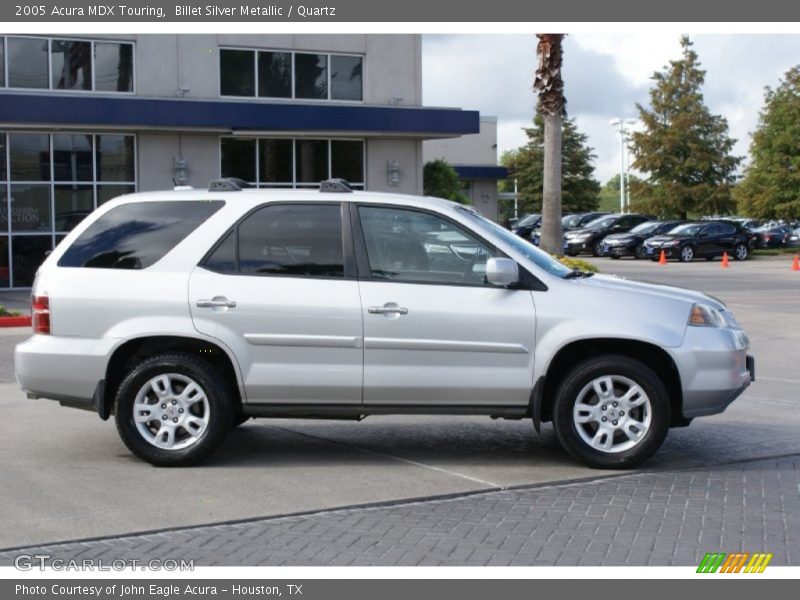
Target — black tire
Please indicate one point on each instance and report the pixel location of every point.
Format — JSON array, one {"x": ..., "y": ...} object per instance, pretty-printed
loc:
[
  {"x": 682, "y": 251},
  {"x": 639, "y": 252},
  {"x": 221, "y": 405},
  {"x": 597, "y": 248},
  {"x": 741, "y": 251},
  {"x": 567, "y": 395}
]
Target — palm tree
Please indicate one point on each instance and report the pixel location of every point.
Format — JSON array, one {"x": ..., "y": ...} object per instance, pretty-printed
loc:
[{"x": 551, "y": 104}]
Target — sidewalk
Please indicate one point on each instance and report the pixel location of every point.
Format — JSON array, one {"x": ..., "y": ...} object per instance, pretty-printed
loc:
[{"x": 656, "y": 518}]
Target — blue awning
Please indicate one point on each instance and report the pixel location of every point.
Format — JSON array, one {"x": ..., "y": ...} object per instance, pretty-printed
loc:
[
  {"x": 481, "y": 171},
  {"x": 166, "y": 113}
]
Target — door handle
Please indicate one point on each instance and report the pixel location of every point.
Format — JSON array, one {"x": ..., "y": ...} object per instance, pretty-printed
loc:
[
  {"x": 216, "y": 302},
  {"x": 387, "y": 309}
]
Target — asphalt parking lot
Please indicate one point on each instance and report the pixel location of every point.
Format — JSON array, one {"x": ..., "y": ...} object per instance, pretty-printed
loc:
[{"x": 67, "y": 476}]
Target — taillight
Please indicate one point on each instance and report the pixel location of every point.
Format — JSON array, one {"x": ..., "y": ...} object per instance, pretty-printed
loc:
[{"x": 40, "y": 314}]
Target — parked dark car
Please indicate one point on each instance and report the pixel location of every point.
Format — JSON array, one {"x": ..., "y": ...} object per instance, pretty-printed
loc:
[
  {"x": 590, "y": 238},
  {"x": 702, "y": 239},
  {"x": 794, "y": 239},
  {"x": 772, "y": 237},
  {"x": 580, "y": 220},
  {"x": 525, "y": 226},
  {"x": 631, "y": 243}
]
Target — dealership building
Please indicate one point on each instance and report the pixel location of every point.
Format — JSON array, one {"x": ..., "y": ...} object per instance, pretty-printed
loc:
[{"x": 84, "y": 119}]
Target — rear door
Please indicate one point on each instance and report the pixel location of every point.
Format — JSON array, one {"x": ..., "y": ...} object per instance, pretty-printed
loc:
[
  {"x": 279, "y": 290},
  {"x": 435, "y": 332}
]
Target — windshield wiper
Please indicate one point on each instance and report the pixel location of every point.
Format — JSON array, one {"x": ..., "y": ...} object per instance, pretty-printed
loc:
[{"x": 577, "y": 273}]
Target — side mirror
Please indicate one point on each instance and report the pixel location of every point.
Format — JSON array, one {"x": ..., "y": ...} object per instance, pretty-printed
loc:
[{"x": 502, "y": 271}]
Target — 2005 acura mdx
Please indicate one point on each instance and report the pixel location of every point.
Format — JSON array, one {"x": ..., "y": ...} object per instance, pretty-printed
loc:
[{"x": 184, "y": 313}]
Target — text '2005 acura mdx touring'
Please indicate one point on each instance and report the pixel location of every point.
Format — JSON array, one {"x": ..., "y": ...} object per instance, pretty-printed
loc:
[{"x": 184, "y": 313}]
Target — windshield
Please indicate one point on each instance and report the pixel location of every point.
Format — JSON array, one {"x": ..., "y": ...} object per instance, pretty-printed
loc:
[
  {"x": 601, "y": 222},
  {"x": 688, "y": 229},
  {"x": 524, "y": 221},
  {"x": 539, "y": 257},
  {"x": 646, "y": 227},
  {"x": 570, "y": 220}
]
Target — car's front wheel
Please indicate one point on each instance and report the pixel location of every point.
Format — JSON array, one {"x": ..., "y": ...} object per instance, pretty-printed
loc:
[
  {"x": 597, "y": 248},
  {"x": 687, "y": 254},
  {"x": 740, "y": 252},
  {"x": 173, "y": 410},
  {"x": 611, "y": 412}
]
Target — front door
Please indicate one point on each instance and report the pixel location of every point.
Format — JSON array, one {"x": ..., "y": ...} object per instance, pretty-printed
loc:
[
  {"x": 435, "y": 332},
  {"x": 277, "y": 290}
]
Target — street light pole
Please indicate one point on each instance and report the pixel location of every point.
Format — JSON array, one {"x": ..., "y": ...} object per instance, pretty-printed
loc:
[{"x": 620, "y": 124}]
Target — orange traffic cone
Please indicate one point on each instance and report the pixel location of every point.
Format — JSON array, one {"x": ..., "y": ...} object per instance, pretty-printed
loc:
[
  {"x": 662, "y": 260},
  {"x": 796, "y": 263},
  {"x": 725, "y": 264}
]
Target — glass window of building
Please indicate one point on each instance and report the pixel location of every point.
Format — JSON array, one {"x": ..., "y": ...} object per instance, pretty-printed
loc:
[
  {"x": 239, "y": 158},
  {"x": 2, "y": 62},
  {"x": 275, "y": 161},
  {"x": 54, "y": 182},
  {"x": 285, "y": 162},
  {"x": 29, "y": 156},
  {"x": 71, "y": 65},
  {"x": 237, "y": 72},
  {"x": 346, "y": 77},
  {"x": 311, "y": 76},
  {"x": 27, "y": 62},
  {"x": 275, "y": 74},
  {"x": 311, "y": 160},
  {"x": 113, "y": 67},
  {"x": 287, "y": 74}
]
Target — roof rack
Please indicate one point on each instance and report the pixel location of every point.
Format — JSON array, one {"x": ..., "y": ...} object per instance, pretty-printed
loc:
[
  {"x": 335, "y": 186},
  {"x": 228, "y": 184}
]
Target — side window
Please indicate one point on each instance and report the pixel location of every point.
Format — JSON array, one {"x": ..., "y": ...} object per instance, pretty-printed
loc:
[
  {"x": 725, "y": 229},
  {"x": 283, "y": 239},
  {"x": 406, "y": 245},
  {"x": 137, "y": 235}
]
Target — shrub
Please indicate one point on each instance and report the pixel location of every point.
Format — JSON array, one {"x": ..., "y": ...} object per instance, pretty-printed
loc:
[{"x": 577, "y": 263}]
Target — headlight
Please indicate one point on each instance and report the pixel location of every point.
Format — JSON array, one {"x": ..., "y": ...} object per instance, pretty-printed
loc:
[{"x": 703, "y": 315}]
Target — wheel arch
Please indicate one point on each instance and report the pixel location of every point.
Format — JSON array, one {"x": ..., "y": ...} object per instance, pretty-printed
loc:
[
  {"x": 135, "y": 349},
  {"x": 576, "y": 351}
]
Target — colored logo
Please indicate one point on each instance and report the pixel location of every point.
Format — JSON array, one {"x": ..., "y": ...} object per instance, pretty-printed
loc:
[{"x": 736, "y": 562}]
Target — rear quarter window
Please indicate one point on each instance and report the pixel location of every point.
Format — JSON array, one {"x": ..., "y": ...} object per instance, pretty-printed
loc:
[{"x": 137, "y": 235}]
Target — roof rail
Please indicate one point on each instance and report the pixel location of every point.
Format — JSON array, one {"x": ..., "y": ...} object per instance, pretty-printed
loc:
[
  {"x": 335, "y": 186},
  {"x": 228, "y": 184}
]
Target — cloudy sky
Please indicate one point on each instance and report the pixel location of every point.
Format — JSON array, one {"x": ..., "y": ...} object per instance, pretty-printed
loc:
[{"x": 604, "y": 76}]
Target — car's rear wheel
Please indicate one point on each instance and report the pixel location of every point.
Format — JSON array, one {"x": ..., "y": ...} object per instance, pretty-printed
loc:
[
  {"x": 740, "y": 252},
  {"x": 687, "y": 254},
  {"x": 173, "y": 410},
  {"x": 611, "y": 412}
]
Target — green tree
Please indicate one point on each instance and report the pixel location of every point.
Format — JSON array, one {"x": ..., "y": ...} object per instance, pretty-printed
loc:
[
  {"x": 441, "y": 180},
  {"x": 771, "y": 185},
  {"x": 609, "y": 193},
  {"x": 684, "y": 150},
  {"x": 579, "y": 189}
]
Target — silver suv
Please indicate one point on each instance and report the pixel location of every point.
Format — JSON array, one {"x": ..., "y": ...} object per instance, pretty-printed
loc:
[{"x": 184, "y": 313}]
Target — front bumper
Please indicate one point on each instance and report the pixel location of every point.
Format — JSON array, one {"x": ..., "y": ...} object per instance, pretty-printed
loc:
[
  {"x": 619, "y": 250},
  {"x": 573, "y": 247},
  {"x": 654, "y": 252},
  {"x": 714, "y": 368}
]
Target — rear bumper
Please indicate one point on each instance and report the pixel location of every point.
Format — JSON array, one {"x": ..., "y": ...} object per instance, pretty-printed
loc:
[
  {"x": 62, "y": 368},
  {"x": 714, "y": 368}
]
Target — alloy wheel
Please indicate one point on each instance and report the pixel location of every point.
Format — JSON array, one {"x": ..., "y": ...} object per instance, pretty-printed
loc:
[{"x": 612, "y": 414}]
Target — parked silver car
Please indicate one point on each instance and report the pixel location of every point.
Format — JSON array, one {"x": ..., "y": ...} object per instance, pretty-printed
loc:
[{"x": 184, "y": 313}]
